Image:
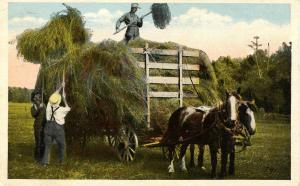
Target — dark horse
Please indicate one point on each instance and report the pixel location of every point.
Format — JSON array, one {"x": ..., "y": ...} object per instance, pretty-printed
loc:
[
  {"x": 188, "y": 125},
  {"x": 246, "y": 118}
]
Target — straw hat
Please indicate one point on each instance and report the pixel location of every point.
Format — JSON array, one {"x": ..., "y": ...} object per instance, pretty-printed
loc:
[{"x": 55, "y": 99}]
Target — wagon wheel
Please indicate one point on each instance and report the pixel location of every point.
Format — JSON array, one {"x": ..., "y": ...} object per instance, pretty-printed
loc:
[
  {"x": 125, "y": 143},
  {"x": 112, "y": 140}
]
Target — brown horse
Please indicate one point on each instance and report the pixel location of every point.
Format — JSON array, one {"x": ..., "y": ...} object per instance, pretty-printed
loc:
[
  {"x": 246, "y": 118},
  {"x": 188, "y": 126}
]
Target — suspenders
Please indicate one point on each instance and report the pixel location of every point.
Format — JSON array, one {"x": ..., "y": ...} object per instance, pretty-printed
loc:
[{"x": 52, "y": 115}]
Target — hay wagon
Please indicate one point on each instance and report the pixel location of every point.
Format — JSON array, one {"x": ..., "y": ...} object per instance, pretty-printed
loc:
[
  {"x": 125, "y": 139},
  {"x": 189, "y": 64}
]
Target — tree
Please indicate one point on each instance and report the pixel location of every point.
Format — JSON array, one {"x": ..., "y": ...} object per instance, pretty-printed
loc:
[
  {"x": 272, "y": 91},
  {"x": 19, "y": 95}
]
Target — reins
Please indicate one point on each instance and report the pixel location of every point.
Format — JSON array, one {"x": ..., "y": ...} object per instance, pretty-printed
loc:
[{"x": 194, "y": 87}]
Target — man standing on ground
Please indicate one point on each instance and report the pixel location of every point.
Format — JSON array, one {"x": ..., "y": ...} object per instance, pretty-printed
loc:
[
  {"x": 54, "y": 129},
  {"x": 133, "y": 22},
  {"x": 38, "y": 111}
]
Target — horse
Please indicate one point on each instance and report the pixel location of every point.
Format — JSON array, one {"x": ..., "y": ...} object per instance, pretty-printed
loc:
[
  {"x": 246, "y": 117},
  {"x": 187, "y": 125}
]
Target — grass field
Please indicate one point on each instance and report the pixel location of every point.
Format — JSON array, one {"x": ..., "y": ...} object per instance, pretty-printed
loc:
[{"x": 267, "y": 158}]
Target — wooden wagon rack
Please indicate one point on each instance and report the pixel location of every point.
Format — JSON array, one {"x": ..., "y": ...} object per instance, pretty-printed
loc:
[{"x": 178, "y": 80}]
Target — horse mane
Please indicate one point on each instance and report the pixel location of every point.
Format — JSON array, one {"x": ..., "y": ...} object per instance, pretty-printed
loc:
[
  {"x": 213, "y": 115},
  {"x": 219, "y": 107}
]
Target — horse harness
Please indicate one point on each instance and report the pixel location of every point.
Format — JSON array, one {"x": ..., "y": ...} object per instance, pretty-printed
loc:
[
  {"x": 233, "y": 129},
  {"x": 217, "y": 124}
]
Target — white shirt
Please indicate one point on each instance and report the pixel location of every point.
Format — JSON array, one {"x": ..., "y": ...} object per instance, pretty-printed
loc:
[{"x": 59, "y": 114}]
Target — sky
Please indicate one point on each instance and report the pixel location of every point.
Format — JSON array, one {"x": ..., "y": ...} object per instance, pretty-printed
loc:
[{"x": 217, "y": 29}]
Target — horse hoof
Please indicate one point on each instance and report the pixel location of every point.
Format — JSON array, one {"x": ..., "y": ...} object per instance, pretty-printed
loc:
[
  {"x": 203, "y": 168},
  {"x": 183, "y": 169},
  {"x": 171, "y": 174},
  {"x": 171, "y": 170}
]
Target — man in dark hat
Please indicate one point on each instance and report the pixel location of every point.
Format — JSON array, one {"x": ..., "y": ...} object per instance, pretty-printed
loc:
[
  {"x": 133, "y": 22},
  {"x": 38, "y": 111}
]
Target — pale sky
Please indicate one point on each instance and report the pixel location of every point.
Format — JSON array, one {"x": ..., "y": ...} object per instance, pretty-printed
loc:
[{"x": 217, "y": 29}]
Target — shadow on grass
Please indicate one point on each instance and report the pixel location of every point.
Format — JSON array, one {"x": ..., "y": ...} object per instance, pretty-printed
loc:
[
  {"x": 95, "y": 152},
  {"x": 20, "y": 151},
  {"x": 152, "y": 160},
  {"x": 99, "y": 152}
]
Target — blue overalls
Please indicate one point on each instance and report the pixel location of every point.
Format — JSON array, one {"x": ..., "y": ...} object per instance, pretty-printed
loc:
[{"x": 54, "y": 131}]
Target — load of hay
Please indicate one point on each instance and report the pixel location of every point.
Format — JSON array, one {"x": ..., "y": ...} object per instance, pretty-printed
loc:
[{"x": 104, "y": 85}]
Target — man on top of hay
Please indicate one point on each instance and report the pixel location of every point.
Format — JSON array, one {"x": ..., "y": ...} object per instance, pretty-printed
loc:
[
  {"x": 132, "y": 31},
  {"x": 38, "y": 111},
  {"x": 54, "y": 129}
]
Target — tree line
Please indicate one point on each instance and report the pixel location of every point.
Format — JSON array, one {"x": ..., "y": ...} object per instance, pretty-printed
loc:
[
  {"x": 262, "y": 77},
  {"x": 19, "y": 95}
]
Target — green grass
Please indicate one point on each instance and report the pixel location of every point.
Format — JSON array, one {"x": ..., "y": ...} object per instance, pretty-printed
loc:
[{"x": 267, "y": 158}]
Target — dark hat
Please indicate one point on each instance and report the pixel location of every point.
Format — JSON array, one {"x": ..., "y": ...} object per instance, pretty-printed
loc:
[{"x": 135, "y": 5}]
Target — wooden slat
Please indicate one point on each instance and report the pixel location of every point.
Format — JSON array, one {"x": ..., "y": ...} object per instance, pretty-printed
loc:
[
  {"x": 189, "y": 53},
  {"x": 164, "y": 94},
  {"x": 170, "y": 95},
  {"x": 163, "y": 52},
  {"x": 190, "y": 67},
  {"x": 172, "y": 80},
  {"x": 169, "y": 66},
  {"x": 189, "y": 96},
  {"x": 137, "y": 50},
  {"x": 166, "y": 52}
]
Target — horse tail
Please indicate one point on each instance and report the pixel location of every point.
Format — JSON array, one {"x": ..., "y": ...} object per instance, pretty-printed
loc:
[{"x": 174, "y": 124}]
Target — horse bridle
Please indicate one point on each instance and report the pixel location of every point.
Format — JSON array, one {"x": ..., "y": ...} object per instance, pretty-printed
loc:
[{"x": 235, "y": 128}]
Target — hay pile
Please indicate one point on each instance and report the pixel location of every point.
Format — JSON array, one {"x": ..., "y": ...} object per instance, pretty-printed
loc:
[{"x": 104, "y": 85}]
